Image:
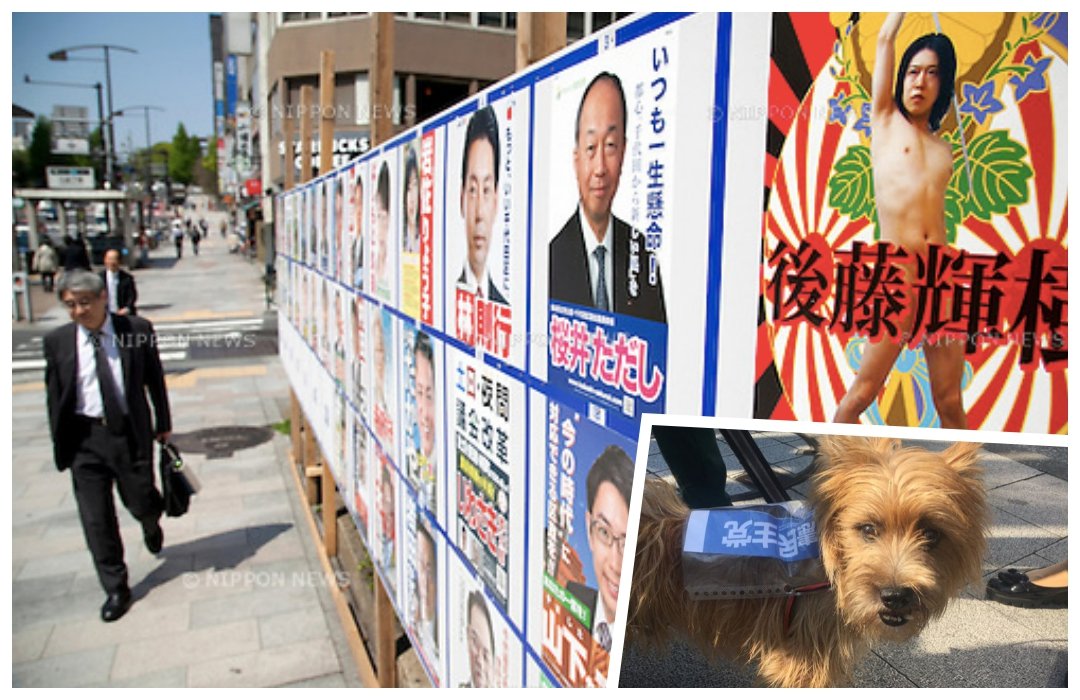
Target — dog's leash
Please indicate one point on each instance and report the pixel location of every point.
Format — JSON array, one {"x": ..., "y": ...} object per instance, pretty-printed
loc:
[{"x": 789, "y": 609}]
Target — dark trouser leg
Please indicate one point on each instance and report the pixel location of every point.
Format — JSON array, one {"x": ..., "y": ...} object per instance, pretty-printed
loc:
[
  {"x": 93, "y": 492},
  {"x": 695, "y": 461},
  {"x": 135, "y": 481}
]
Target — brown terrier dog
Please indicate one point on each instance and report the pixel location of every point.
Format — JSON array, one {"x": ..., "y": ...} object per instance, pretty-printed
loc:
[{"x": 901, "y": 531}]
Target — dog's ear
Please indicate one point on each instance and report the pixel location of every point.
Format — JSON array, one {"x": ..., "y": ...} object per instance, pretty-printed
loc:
[
  {"x": 839, "y": 449},
  {"x": 963, "y": 457}
]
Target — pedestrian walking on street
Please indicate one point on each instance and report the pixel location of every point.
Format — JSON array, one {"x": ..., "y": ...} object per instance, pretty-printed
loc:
[
  {"x": 45, "y": 263},
  {"x": 98, "y": 370},
  {"x": 196, "y": 236},
  {"x": 119, "y": 285},
  {"x": 75, "y": 255},
  {"x": 178, "y": 239}
]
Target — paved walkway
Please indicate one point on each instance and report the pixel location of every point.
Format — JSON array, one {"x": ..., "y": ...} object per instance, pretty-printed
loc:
[
  {"x": 237, "y": 597},
  {"x": 978, "y": 643}
]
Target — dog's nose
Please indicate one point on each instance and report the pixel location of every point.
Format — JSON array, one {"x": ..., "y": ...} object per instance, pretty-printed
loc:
[{"x": 897, "y": 598}]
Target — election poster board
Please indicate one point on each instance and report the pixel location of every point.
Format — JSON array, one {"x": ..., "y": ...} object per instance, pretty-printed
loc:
[
  {"x": 426, "y": 349},
  {"x": 631, "y": 203},
  {"x": 486, "y": 221},
  {"x": 464, "y": 364},
  {"x": 833, "y": 287}
]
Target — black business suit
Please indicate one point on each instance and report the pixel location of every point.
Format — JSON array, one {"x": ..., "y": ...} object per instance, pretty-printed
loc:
[
  {"x": 125, "y": 290},
  {"x": 569, "y": 279},
  {"x": 493, "y": 292},
  {"x": 97, "y": 457}
]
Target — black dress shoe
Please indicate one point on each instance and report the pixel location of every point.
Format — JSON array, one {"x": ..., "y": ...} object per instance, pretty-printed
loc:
[
  {"x": 116, "y": 605},
  {"x": 1012, "y": 577},
  {"x": 153, "y": 537},
  {"x": 1025, "y": 594}
]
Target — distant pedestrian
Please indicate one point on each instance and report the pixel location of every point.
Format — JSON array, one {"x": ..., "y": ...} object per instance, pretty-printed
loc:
[
  {"x": 178, "y": 239},
  {"x": 119, "y": 285},
  {"x": 75, "y": 255},
  {"x": 45, "y": 262},
  {"x": 222, "y": 228},
  {"x": 196, "y": 236}
]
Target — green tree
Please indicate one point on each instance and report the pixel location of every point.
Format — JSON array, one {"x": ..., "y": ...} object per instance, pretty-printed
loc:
[
  {"x": 40, "y": 151},
  {"x": 183, "y": 156}
]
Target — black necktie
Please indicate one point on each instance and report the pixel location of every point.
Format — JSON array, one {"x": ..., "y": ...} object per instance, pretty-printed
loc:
[
  {"x": 110, "y": 394},
  {"x": 603, "y": 636},
  {"x": 602, "y": 302}
]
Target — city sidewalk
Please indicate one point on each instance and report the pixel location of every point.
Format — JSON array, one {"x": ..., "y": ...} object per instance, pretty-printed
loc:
[
  {"x": 977, "y": 643},
  {"x": 237, "y": 597}
]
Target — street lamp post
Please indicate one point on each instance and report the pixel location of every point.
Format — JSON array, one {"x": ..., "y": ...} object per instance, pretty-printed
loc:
[
  {"x": 62, "y": 55},
  {"x": 149, "y": 153},
  {"x": 100, "y": 110}
]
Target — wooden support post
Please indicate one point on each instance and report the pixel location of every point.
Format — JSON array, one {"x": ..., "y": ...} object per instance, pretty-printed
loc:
[
  {"x": 287, "y": 128},
  {"x": 312, "y": 458},
  {"x": 326, "y": 112},
  {"x": 329, "y": 511},
  {"x": 539, "y": 34},
  {"x": 296, "y": 417},
  {"x": 381, "y": 78},
  {"x": 306, "y": 106},
  {"x": 381, "y": 85},
  {"x": 385, "y": 660}
]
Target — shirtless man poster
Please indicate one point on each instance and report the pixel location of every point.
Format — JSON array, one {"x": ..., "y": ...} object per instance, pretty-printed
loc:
[{"x": 911, "y": 170}]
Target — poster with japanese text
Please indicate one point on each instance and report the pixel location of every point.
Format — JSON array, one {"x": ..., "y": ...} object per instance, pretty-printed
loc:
[
  {"x": 622, "y": 183},
  {"x": 483, "y": 650},
  {"x": 358, "y": 494},
  {"x": 487, "y": 429},
  {"x": 964, "y": 326},
  {"x": 421, "y": 407},
  {"x": 432, "y": 189},
  {"x": 384, "y": 395},
  {"x": 586, "y": 483},
  {"x": 386, "y": 528},
  {"x": 356, "y": 224},
  {"x": 486, "y": 223},
  {"x": 383, "y": 216},
  {"x": 409, "y": 224},
  {"x": 424, "y": 589}
]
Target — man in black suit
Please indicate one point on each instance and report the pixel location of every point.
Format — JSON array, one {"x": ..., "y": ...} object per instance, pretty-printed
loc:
[
  {"x": 119, "y": 285},
  {"x": 480, "y": 201},
  {"x": 590, "y": 260},
  {"x": 607, "y": 488},
  {"x": 97, "y": 372}
]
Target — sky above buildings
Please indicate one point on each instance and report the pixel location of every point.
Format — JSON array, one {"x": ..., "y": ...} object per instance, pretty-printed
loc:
[{"x": 171, "y": 70}]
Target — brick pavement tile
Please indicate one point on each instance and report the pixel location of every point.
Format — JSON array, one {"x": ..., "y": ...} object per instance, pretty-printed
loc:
[
  {"x": 269, "y": 667},
  {"x": 1012, "y": 538},
  {"x": 175, "y": 677},
  {"x": 979, "y": 644},
  {"x": 141, "y": 622},
  {"x": 291, "y": 627},
  {"x": 70, "y": 562},
  {"x": 267, "y": 595},
  {"x": 999, "y": 470},
  {"x": 333, "y": 680},
  {"x": 69, "y": 670},
  {"x": 28, "y": 644},
  {"x": 42, "y": 588},
  {"x": 136, "y": 658},
  {"x": 1041, "y": 500},
  {"x": 1056, "y": 552}
]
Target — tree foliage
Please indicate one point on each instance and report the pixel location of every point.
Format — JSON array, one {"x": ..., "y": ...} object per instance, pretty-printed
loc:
[{"x": 184, "y": 153}]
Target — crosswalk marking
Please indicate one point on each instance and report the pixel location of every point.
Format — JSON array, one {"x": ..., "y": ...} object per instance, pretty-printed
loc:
[{"x": 174, "y": 340}]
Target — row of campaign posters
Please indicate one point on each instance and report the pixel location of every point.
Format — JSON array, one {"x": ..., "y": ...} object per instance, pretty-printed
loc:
[{"x": 476, "y": 315}]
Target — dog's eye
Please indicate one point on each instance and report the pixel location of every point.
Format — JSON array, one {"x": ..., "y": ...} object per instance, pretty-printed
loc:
[
  {"x": 931, "y": 537},
  {"x": 868, "y": 531}
]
